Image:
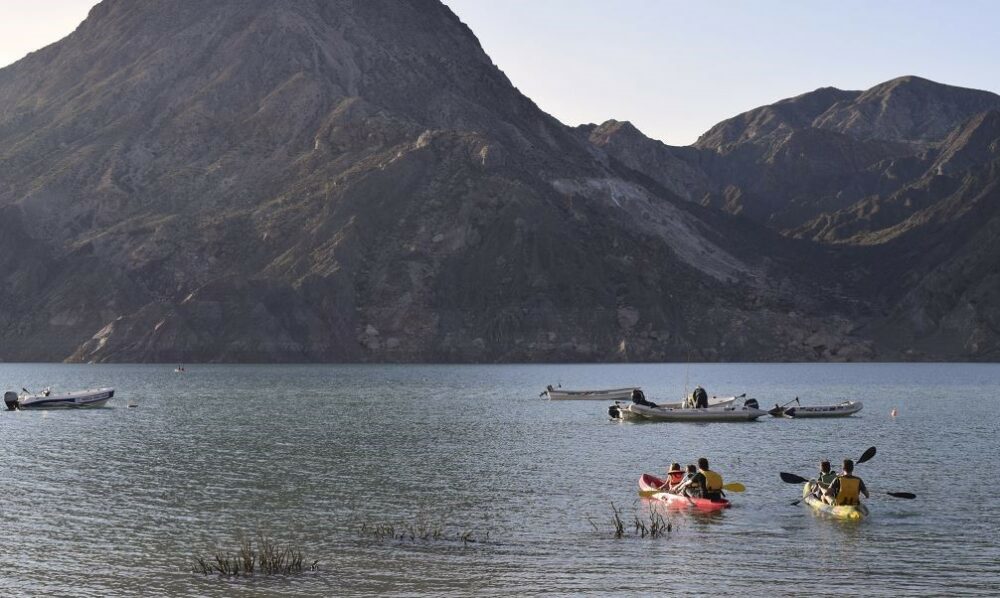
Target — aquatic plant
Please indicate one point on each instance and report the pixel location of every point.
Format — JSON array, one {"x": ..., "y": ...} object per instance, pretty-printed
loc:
[
  {"x": 266, "y": 557},
  {"x": 652, "y": 525},
  {"x": 616, "y": 519}
]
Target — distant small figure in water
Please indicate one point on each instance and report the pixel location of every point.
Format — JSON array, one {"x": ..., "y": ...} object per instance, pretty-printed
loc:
[{"x": 894, "y": 413}]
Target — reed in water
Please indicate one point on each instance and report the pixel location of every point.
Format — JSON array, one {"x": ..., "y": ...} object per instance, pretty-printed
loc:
[{"x": 265, "y": 556}]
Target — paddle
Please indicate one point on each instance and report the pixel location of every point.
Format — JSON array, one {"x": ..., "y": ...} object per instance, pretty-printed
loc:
[
  {"x": 866, "y": 456},
  {"x": 794, "y": 479},
  {"x": 791, "y": 478}
]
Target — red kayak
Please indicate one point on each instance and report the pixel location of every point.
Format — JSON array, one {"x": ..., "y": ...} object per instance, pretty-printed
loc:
[{"x": 650, "y": 483}]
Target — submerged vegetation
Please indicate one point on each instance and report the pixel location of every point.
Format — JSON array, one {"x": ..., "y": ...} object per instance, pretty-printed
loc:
[
  {"x": 652, "y": 524},
  {"x": 265, "y": 556}
]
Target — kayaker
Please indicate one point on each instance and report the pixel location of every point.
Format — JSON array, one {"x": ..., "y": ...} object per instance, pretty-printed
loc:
[
  {"x": 823, "y": 480},
  {"x": 846, "y": 488},
  {"x": 685, "y": 486},
  {"x": 675, "y": 475},
  {"x": 706, "y": 480},
  {"x": 826, "y": 474}
]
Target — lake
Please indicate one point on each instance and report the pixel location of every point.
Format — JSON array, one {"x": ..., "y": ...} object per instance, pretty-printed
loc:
[{"x": 120, "y": 501}]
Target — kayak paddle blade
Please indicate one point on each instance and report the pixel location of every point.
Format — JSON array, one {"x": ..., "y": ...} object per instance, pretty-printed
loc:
[
  {"x": 907, "y": 495},
  {"x": 734, "y": 487},
  {"x": 791, "y": 478},
  {"x": 867, "y": 455}
]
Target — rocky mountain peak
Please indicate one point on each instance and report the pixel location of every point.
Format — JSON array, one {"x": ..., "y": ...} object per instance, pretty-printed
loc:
[
  {"x": 773, "y": 121},
  {"x": 907, "y": 109}
]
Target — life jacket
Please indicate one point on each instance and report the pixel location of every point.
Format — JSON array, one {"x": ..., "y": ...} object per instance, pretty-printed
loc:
[
  {"x": 849, "y": 492},
  {"x": 713, "y": 481},
  {"x": 675, "y": 476}
]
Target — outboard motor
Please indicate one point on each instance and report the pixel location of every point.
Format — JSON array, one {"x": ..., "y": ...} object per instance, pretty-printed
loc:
[
  {"x": 10, "y": 399},
  {"x": 751, "y": 403}
]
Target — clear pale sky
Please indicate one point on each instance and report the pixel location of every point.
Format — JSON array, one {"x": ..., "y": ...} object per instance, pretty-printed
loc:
[{"x": 676, "y": 68}]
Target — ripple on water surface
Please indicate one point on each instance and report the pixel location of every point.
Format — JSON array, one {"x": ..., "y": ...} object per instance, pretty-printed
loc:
[{"x": 118, "y": 501}]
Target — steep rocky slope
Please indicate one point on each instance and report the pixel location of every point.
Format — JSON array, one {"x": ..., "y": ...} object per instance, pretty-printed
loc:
[
  {"x": 307, "y": 180},
  {"x": 903, "y": 177}
]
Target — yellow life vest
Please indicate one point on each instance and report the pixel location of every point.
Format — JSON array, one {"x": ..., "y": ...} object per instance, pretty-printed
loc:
[
  {"x": 713, "y": 481},
  {"x": 849, "y": 492}
]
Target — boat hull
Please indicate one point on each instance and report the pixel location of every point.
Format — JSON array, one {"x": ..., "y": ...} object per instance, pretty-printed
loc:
[
  {"x": 634, "y": 412},
  {"x": 841, "y": 410},
  {"x": 679, "y": 501},
  {"x": 611, "y": 394},
  {"x": 845, "y": 512},
  {"x": 650, "y": 485},
  {"x": 713, "y": 403},
  {"x": 85, "y": 399}
]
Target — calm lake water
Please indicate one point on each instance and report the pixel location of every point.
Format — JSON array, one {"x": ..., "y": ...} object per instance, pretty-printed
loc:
[{"x": 118, "y": 501}]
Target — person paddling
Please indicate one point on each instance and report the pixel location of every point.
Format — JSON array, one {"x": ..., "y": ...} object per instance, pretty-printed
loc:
[
  {"x": 706, "y": 480},
  {"x": 824, "y": 479},
  {"x": 687, "y": 481},
  {"x": 846, "y": 488}
]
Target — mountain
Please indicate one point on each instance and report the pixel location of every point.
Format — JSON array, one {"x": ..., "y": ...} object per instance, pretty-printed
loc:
[
  {"x": 306, "y": 180},
  {"x": 903, "y": 176},
  {"x": 355, "y": 180}
]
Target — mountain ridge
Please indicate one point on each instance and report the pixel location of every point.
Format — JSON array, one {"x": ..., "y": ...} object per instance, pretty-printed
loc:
[{"x": 357, "y": 181}]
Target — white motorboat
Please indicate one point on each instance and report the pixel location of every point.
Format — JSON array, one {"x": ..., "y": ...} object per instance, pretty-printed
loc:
[
  {"x": 610, "y": 394},
  {"x": 713, "y": 402},
  {"x": 730, "y": 413},
  {"x": 839, "y": 410},
  {"x": 47, "y": 399}
]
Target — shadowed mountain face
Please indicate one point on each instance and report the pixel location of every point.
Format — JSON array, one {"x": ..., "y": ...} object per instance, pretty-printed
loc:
[
  {"x": 307, "y": 180},
  {"x": 902, "y": 175}
]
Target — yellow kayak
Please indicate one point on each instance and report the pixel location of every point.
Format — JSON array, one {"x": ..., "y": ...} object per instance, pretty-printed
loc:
[{"x": 849, "y": 512}]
